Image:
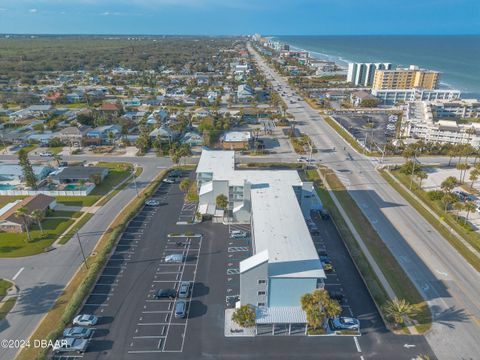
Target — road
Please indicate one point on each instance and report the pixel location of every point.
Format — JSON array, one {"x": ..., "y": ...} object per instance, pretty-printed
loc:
[
  {"x": 41, "y": 278},
  {"x": 445, "y": 279}
]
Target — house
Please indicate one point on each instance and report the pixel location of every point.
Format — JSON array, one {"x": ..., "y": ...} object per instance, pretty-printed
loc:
[
  {"x": 135, "y": 115},
  {"x": 74, "y": 136},
  {"x": 75, "y": 174},
  {"x": 192, "y": 138},
  {"x": 201, "y": 112},
  {"x": 13, "y": 174},
  {"x": 10, "y": 222},
  {"x": 357, "y": 97},
  {"x": 112, "y": 108},
  {"x": 163, "y": 133},
  {"x": 74, "y": 98},
  {"x": 101, "y": 134},
  {"x": 285, "y": 264},
  {"x": 134, "y": 102},
  {"x": 244, "y": 92},
  {"x": 236, "y": 140}
]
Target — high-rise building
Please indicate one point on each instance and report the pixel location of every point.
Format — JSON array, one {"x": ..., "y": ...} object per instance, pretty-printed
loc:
[
  {"x": 362, "y": 74},
  {"x": 408, "y": 78}
]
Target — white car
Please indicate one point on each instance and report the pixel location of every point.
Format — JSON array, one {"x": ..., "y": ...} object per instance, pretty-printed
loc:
[
  {"x": 152, "y": 202},
  {"x": 238, "y": 234},
  {"x": 302, "y": 159},
  {"x": 46, "y": 154},
  {"x": 174, "y": 258},
  {"x": 85, "y": 320},
  {"x": 168, "y": 181}
]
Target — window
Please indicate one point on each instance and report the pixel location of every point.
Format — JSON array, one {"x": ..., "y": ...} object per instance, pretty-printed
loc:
[
  {"x": 261, "y": 293},
  {"x": 261, "y": 282},
  {"x": 261, "y": 304}
]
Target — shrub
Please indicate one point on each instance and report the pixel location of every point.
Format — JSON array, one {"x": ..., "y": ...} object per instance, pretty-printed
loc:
[{"x": 435, "y": 195}]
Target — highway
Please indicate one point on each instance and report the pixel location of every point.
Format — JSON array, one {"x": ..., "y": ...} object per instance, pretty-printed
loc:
[
  {"x": 41, "y": 278},
  {"x": 445, "y": 279}
]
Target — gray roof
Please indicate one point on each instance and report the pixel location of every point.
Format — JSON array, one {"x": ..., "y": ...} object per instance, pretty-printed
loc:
[
  {"x": 281, "y": 315},
  {"x": 79, "y": 172}
]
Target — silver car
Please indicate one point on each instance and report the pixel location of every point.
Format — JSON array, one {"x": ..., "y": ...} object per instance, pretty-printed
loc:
[
  {"x": 85, "y": 320},
  {"x": 174, "y": 258},
  {"x": 184, "y": 289},
  {"x": 69, "y": 345}
]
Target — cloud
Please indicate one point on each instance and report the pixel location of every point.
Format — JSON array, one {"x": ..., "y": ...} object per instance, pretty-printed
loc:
[
  {"x": 33, "y": 11},
  {"x": 109, "y": 13},
  {"x": 3, "y": 9}
]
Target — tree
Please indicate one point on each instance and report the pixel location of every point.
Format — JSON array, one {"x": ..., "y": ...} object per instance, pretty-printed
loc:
[
  {"x": 317, "y": 306},
  {"x": 332, "y": 308},
  {"x": 37, "y": 215},
  {"x": 473, "y": 176},
  {"x": 184, "y": 185},
  {"x": 221, "y": 201},
  {"x": 448, "y": 184},
  {"x": 397, "y": 309},
  {"x": 23, "y": 214},
  {"x": 27, "y": 170},
  {"x": 470, "y": 207},
  {"x": 96, "y": 179},
  {"x": 421, "y": 175},
  {"x": 458, "y": 206},
  {"x": 448, "y": 199},
  {"x": 244, "y": 316},
  {"x": 463, "y": 167},
  {"x": 57, "y": 158}
]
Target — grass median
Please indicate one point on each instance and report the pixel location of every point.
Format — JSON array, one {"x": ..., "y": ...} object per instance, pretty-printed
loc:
[
  {"x": 74, "y": 294},
  {"x": 393, "y": 272},
  {"x": 470, "y": 237}
]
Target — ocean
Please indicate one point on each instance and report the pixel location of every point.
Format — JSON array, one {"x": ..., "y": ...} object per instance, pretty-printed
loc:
[{"x": 457, "y": 57}]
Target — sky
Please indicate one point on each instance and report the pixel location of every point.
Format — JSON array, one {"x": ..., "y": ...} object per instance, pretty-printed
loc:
[{"x": 238, "y": 17}]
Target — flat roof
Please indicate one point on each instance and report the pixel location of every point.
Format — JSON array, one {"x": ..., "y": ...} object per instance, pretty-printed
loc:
[{"x": 237, "y": 136}]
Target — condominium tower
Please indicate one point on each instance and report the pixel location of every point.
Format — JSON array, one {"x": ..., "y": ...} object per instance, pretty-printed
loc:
[
  {"x": 405, "y": 78},
  {"x": 362, "y": 74}
]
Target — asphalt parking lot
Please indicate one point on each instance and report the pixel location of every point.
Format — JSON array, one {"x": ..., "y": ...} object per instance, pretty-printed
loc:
[
  {"x": 133, "y": 324},
  {"x": 356, "y": 124}
]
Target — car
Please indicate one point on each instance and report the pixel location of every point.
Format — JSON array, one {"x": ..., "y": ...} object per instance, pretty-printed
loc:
[
  {"x": 68, "y": 345},
  {"x": 152, "y": 202},
  {"x": 77, "y": 332},
  {"x": 175, "y": 174},
  {"x": 231, "y": 301},
  {"x": 301, "y": 159},
  {"x": 345, "y": 323},
  {"x": 336, "y": 295},
  {"x": 238, "y": 234},
  {"x": 184, "y": 289},
  {"x": 166, "y": 293},
  {"x": 85, "y": 320},
  {"x": 180, "y": 309},
  {"x": 46, "y": 154},
  {"x": 168, "y": 181},
  {"x": 174, "y": 258},
  {"x": 322, "y": 250},
  {"x": 314, "y": 230},
  {"x": 324, "y": 214},
  {"x": 326, "y": 263}
]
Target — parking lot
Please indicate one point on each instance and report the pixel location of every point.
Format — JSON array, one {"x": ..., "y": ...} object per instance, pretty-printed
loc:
[
  {"x": 371, "y": 126},
  {"x": 133, "y": 324}
]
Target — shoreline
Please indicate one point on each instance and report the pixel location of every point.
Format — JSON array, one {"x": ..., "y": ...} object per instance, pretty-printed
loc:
[{"x": 343, "y": 63}]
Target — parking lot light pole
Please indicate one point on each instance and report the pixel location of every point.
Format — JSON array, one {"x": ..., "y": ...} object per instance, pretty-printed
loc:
[{"x": 135, "y": 178}]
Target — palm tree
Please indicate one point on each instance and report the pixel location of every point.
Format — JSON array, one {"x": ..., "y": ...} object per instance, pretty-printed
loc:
[
  {"x": 397, "y": 309},
  {"x": 462, "y": 167},
  {"x": 470, "y": 207},
  {"x": 184, "y": 185},
  {"x": 38, "y": 216},
  {"x": 332, "y": 308},
  {"x": 458, "y": 206},
  {"x": 421, "y": 175},
  {"x": 447, "y": 199},
  {"x": 23, "y": 214},
  {"x": 473, "y": 176}
]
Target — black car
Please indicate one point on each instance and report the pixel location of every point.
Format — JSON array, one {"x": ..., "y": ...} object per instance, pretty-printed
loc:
[
  {"x": 231, "y": 301},
  {"x": 166, "y": 293},
  {"x": 336, "y": 295},
  {"x": 324, "y": 214},
  {"x": 175, "y": 174}
]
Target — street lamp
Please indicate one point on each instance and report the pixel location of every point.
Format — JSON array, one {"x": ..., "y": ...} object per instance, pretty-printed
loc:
[{"x": 135, "y": 178}]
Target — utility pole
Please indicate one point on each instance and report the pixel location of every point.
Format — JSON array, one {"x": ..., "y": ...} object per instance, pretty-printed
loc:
[
  {"x": 413, "y": 169},
  {"x": 135, "y": 178},
  {"x": 83, "y": 253}
]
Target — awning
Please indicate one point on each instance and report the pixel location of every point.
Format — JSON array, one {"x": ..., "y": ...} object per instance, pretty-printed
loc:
[{"x": 281, "y": 315}]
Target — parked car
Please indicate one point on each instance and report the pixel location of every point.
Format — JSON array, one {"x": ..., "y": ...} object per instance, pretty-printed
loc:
[
  {"x": 314, "y": 230},
  {"x": 324, "y": 214},
  {"x": 238, "y": 234},
  {"x": 326, "y": 263},
  {"x": 152, "y": 202},
  {"x": 180, "y": 309},
  {"x": 166, "y": 293},
  {"x": 336, "y": 295},
  {"x": 322, "y": 250},
  {"x": 85, "y": 320},
  {"x": 46, "y": 154},
  {"x": 77, "y": 332},
  {"x": 344, "y": 323},
  {"x": 174, "y": 258},
  {"x": 69, "y": 345},
  {"x": 168, "y": 181},
  {"x": 184, "y": 289},
  {"x": 175, "y": 174},
  {"x": 231, "y": 301},
  {"x": 301, "y": 159}
]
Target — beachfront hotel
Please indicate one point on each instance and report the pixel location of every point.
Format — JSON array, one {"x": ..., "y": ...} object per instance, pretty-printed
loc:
[
  {"x": 362, "y": 74},
  {"x": 285, "y": 264},
  {"x": 406, "y": 78}
]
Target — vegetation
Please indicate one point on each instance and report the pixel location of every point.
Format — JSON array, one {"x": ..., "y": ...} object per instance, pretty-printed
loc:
[
  {"x": 397, "y": 310},
  {"x": 7, "y": 307},
  {"x": 244, "y": 316},
  {"x": 27, "y": 170},
  {"x": 4, "y": 286},
  {"x": 318, "y": 306}
]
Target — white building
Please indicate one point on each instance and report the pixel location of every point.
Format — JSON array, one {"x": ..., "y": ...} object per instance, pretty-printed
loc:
[
  {"x": 362, "y": 74},
  {"x": 394, "y": 96},
  {"x": 425, "y": 120},
  {"x": 285, "y": 264}
]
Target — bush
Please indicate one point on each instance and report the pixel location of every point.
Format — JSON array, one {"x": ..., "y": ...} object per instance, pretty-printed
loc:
[
  {"x": 435, "y": 195},
  {"x": 244, "y": 316}
]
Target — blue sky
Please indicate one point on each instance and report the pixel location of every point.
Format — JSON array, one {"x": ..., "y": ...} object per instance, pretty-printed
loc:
[{"x": 211, "y": 17}]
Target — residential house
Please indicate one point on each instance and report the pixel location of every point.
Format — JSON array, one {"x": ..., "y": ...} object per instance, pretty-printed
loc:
[
  {"x": 134, "y": 102},
  {"x": 357, "y": 97},
  {"x": 101, "y": 135},
  {"x": 75, "y": 174},
  {"x": 163, "y": 133},
  {"x": 10, "y": 222},
  {"x": 74, "y": 136},
  {"x": 192, "y": 138},
  {"x": 244, "y": 93},
  {"x": 236, "y": 140}
]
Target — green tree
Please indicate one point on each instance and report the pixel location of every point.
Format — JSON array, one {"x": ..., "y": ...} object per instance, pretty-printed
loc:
[
  {"x": 221, "y": 201},
  {"x": 458, "y": 206},
  {"x": 184, "y": 185},
  {"x": 470, "y": 207},
  {"x": 448, "y": 199},
  {"x": 397, "y": 309},
  {"x": 22, "y": 213},
  {"x": 244, "y": 316},
  {"x": 27, "y": 170},
  {"x": 37, "y": 215},
  {"x": 474, "y": 173},
  {"x": 449, "y": 184},
  {"x": 96, "y": 179},
  {"x": 421, "y": 175}
]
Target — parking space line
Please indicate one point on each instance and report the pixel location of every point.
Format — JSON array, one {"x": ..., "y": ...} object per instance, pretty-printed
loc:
[
  {"x": 149, "y": 337},
  {"x": 161, "y": 323},
  {"x": 144, "y": 351},
  {"x": 90, "y": 304}
]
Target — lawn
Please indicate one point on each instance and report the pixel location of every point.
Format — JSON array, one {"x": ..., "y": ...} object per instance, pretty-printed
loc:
[
  {"x": 4, "y": 286},
  {"x": 29, "y": 148},
  {"x": 393, "y": 272},
  {"x": 6, "y": 307},
  {"x": 56, "y": 149},
  {"x": 4, "y": 200},
  {"x": 15, "y": 245},
  {"x": 66, "y": 214}
]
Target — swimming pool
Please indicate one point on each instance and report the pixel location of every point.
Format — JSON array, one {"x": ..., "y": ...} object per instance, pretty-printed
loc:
[{"x": 7, "y": 187}]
